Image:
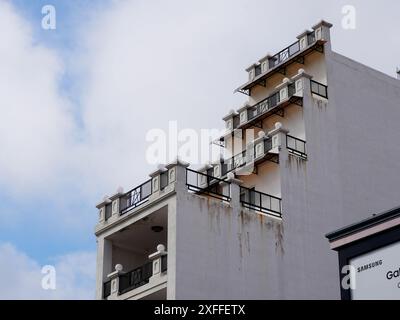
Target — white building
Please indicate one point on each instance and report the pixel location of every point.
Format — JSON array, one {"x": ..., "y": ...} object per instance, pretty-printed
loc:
[{"x": 325, "y": 153}]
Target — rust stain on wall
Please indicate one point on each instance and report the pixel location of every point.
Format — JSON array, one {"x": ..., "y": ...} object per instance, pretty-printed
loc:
[{"x": 279, "y": 238}]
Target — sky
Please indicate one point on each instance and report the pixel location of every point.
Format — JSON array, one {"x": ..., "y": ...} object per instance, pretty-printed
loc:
[{"x": 77, "y": 102}]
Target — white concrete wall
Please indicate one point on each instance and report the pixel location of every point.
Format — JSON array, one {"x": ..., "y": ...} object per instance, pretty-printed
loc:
[
  {"x": 127, "y": 258},
  {"x": 267, "y": 179},
  {"x": 224, "y": 253}
]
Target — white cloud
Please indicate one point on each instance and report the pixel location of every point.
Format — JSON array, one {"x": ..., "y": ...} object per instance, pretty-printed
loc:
[
  {"x": 21, "y": 276},
  {"x": 35, "y": 125}
]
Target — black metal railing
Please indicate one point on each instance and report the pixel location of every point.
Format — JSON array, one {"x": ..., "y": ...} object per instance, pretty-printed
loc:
[
  {"x": 267, "y": 145},
  {"x": 108, "y": 211},
  {"x": 319, "y": 89},
  {"x": 311, "y": 38},
  {"x": 269, "y": 103},
  {"x": 257, "y": 70},
  {"x": 244, "y": 158},
  {"x": 135, "y": 197},
  {"x": 106, "y": 289},
  {"x": 164, "y": 264},
  {"x": 203, "y": 183},
  {"x": 260, "y": 201},
  {"x": 163, "y": 180},
  {"x": 233, "y": 163},
  {"x": 296, "y": 146},
  {"x": 284, "y": 55},
  {"x": 135, "y": 278}
]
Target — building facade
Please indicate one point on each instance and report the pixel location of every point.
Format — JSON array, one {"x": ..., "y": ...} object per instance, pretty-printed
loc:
[{"x": 317, "y": 151}]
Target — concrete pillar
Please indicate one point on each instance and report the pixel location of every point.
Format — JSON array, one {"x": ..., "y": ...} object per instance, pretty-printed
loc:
[
  {"x": 177, "y": 174},
  {"x": 101, "y": 206},
  {"x": 114, "y": 278},
  {"x": 259, "y": 146},
  {"x": 303, "y": 41},
  {"x": 234, "y": 190},
  {"x": 283, "y": 89},
  {"x": 278, "y": 136},
  {"x": 103, "y": 264},
  {"x": 302, "y": 82},
  {"x": 156, "y": 259},
  {"x": 229, "y": 125},
  {"x": 115, "y": 202},
  {"x": 251, "y": 71},
  {"x": 322, "y": 32},
  {"x": 264, "y": 62}
]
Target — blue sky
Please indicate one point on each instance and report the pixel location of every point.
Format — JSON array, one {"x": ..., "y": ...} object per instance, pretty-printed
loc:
[
  {"x": 76, "y": 103},
  {"x": 32, "y": 234}
]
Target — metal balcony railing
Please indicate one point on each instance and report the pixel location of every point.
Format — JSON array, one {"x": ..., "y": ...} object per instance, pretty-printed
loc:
[
  {"x": 260, "y": 201},
  {"x": 135, "y": 278},
  {"x": 257, "y": 70},
  {"x": 108, "y": 211},
  {"x": 206, "y": 184},
  {"x": 106, "y": 289},
  {"x": 296, "y": 146},
  {"x": 233, "y": 163},
  {"x": 292, "y": 53},
  {"x": 164, "y": 263},
  {"x": 135, "y": 197},
  {"x": 244, "y": 158},
  {"x": 311, "y": 38},
  {"x": 284, "y": 54},
  {"x": 319, "y": 89},
  {"x": 269, "y": 103},
  {"x": 289, "y": 51}
]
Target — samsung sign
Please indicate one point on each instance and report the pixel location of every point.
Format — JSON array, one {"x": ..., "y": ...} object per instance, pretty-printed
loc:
[{"x": 376, "y": 274}]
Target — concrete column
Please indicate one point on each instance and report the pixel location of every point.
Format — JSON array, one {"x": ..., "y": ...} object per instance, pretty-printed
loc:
[
  {"x": 303, "y": 41},
  {"x": 243, "y": 111},
  {"x": 322, "y": 32},
  {"x": 156, "y": 259},
  {"x": 259, "y": 151},
  {"x": 103, "y": 264},
  {"x": 234, "y": 190},
  {"x": 229, "y": 120},
  {"x": 283, "y": 89},
  {"x": 302, "y": 82},
  {"x": 102, "y": 208},
  {"x": 114, "y": 277},
  {"x": 177, "y": 174},
  {"x": 264, "y": 61},
  {"x": 278, "y": 136},
  {"x": 251, "y": 71},
  {"x": 115, "y": 202}
]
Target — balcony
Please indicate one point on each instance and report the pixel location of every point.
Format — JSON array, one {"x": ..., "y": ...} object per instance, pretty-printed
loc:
[
  {"x": 203, "y": 183},
  {"x": 296, "y": 146},
  {"x": 114, "y": 208},
  {"x": 135, "y": 197},
  {"x": 319, "y": 89},
  {"x": 253, "y": 155},
  {"x": 137, "y": 281},
  {"x": 262, "y": 202},
  {"x": 308, "y": 42},
  {"x": 290, "y": 93},
  {"x": 249, "y": 198}
]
